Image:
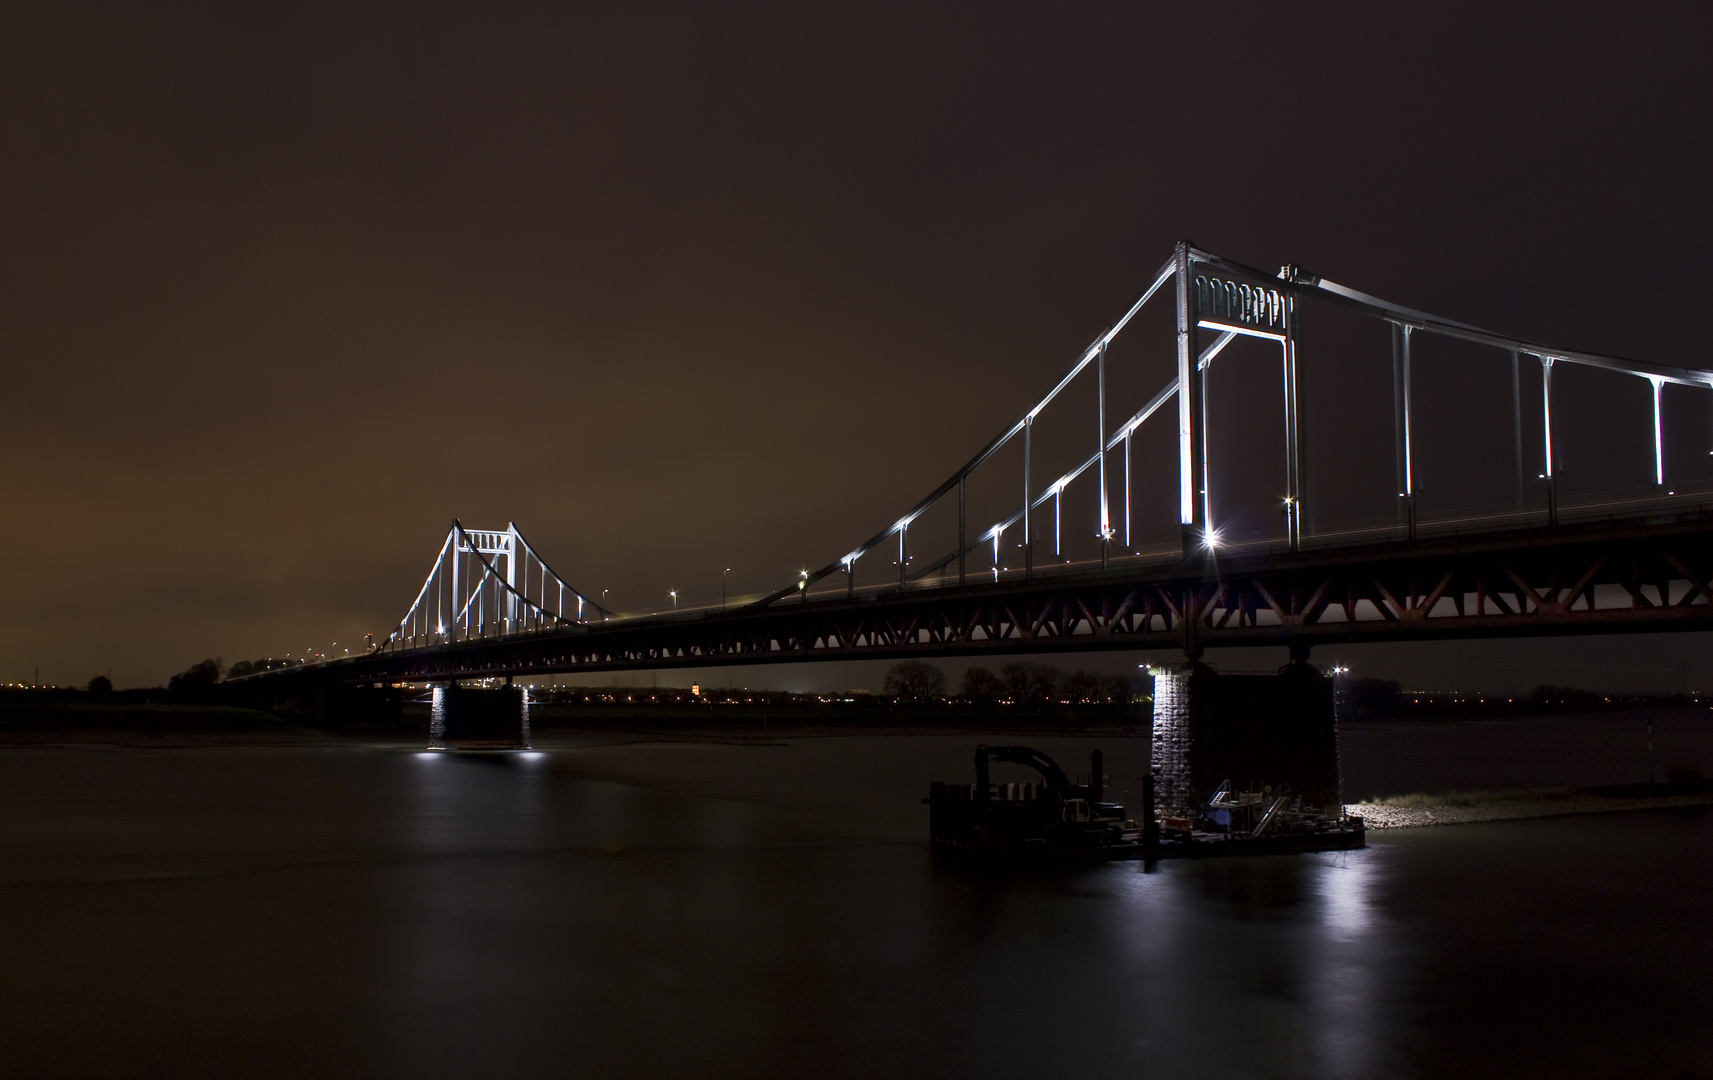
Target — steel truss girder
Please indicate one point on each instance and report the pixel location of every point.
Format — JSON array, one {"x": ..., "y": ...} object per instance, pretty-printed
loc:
[{"x": 1635, "y": 575}]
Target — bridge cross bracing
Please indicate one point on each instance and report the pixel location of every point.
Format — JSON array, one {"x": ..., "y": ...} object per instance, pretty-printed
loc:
[{"x": 489, "y": 590}]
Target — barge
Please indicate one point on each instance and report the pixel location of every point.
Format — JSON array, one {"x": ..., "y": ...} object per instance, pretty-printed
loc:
[{"x": 1057, "y": 819}]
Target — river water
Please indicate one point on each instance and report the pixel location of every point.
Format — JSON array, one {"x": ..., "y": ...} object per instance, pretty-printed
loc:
[{"x": 768, "y": 908}]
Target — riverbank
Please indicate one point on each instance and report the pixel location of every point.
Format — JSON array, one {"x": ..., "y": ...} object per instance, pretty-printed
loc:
[{"x": 1471, "y": 808}]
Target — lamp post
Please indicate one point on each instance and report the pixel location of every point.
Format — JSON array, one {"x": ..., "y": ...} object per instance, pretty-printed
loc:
[
  {"x": 605, "y": 617},
  {"x": 723, "y": 574},
  {"x": 674, "y": 594}
]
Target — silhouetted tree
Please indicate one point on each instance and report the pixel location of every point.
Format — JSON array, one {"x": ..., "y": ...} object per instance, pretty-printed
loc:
[
  {"x": 915, "y": 681},
  {"x": 1030, "y": 686},
  {"x": 1084, "y": 688},
  {"x": 980, "y": 684},
  {"x": 1093, "y": 688},
  {"x": 197, "y": 679},
  {"x": 101, "y": 684},
  {"x": 250, "y": 667}
]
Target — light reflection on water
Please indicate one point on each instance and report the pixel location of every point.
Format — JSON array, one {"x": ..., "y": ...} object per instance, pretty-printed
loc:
[
  {"x": 669, "y": 925},
  {"x": 1261, "y": 967},
  {"x": 1358, "y": 965},
  {"x": 772, "y": 911}
]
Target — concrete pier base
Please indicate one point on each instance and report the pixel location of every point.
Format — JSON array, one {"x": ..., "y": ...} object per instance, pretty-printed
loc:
[
  {"x": 463, "y": 718},
  {"x": 1253, "y": 730}
]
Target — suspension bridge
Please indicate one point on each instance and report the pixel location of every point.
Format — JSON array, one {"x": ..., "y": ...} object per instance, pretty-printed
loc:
[{"x": 491, "y": 605}]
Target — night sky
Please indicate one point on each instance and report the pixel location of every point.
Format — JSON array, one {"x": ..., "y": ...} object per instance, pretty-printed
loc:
[{"x": 286, "y": 288}]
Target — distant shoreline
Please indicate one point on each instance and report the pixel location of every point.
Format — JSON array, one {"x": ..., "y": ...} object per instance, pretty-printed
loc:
[
  {"x": 92, "y": 725},
  {"x": 168, "y": 725}
]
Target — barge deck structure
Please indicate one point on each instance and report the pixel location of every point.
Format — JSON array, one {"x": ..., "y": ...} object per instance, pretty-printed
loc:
[{"x": 1056, "y": 819}]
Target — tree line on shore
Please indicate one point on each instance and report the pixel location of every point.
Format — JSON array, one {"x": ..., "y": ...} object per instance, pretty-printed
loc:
[
  {"x": 1385, "y": 699},
  {"x": 1020, "y": 684}
]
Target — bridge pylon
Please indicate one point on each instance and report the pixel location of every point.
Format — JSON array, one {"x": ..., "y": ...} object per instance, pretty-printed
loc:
[{"x": 488, "y": 583}]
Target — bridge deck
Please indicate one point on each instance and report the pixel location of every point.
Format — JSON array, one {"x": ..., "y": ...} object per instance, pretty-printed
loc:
[{"x": 1637, "y": 573}]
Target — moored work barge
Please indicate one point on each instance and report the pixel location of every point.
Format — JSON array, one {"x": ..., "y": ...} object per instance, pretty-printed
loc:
[{"x": 1054, "y": 818}]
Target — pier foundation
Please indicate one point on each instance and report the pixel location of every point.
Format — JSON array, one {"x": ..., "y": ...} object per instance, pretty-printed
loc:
[
  {"x": 466, "y": 718},
  {"x": 1252, "y": 730}
]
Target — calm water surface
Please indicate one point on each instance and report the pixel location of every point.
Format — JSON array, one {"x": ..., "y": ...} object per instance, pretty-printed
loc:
[{"x": 712, "y": 910}]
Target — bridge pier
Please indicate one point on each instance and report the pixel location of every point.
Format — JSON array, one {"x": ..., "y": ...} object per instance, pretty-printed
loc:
[
  {"x": 466, "y": 718},
  {"x": 1252, "y": 730}
]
